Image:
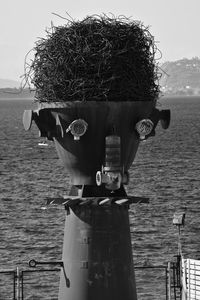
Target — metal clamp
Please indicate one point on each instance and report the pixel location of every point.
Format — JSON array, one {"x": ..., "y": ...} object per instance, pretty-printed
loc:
[{"x": 112, "y": 180}]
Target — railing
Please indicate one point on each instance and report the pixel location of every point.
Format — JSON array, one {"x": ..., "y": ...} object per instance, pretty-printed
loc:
[
  {"x": 42, "y": 283},
  {"x": 35, "y": 284},
  {"x": 191, "y": 279},
  {"x": 9, "y": 284},
  {"x": 153, "y": 283}
]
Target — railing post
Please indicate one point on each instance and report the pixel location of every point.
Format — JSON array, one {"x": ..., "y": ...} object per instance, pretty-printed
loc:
[
  {"x": 22, "y": 285},
  {"x": 188, "y": 270},
  {"x": 183, "y": 280},
  {"x": 18, "y": 291},
  {"x": 14, "y": 290},
  {"x": 169, "y": 280}
]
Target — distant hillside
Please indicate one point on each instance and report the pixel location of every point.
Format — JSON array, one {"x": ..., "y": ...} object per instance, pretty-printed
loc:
[
  {"x": 181, "y": 77},
  {"x": 8, "y": 83}
]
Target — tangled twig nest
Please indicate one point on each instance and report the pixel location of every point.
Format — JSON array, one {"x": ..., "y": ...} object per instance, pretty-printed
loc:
[{"x": 96, "y": 59}]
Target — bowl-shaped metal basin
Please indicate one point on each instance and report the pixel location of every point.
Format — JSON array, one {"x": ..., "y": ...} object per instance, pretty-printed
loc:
[{"x": 84, "y": 157}]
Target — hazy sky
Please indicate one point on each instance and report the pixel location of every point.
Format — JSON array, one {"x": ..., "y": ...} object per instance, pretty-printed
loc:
[{"x": 175, "y": 24}]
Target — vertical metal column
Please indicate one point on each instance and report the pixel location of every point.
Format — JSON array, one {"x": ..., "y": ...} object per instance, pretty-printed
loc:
[
  {"x": 18, "y": 284},
  {"x": 169, "y": 280},
  {"x": 97, "y": 254},
  {"x": 97, "y": 149}
]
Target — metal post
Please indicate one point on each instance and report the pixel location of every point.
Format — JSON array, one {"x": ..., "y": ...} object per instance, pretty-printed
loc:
[
  {"x": 13, "y": 272},
  {"x": 169, "y": 280},
  {"x": 188, "y": 270},
  {"x": 18, "y": 291},
  {"x": 22, "y": 285}
]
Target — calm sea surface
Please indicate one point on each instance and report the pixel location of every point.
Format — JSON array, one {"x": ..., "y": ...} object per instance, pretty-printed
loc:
[{"x": 166, "y": 169}]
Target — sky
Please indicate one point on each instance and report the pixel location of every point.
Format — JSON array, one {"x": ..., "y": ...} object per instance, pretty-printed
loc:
[{"x": 175, "y": 25}]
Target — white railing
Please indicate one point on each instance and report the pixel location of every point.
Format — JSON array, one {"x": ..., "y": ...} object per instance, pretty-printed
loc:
[{"x": 190, "y": 279}]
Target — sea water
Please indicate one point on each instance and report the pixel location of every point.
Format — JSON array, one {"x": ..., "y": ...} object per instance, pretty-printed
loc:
[{"x": 166, "y": 169}]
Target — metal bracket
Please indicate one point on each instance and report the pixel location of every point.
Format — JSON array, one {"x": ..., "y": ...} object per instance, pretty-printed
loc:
[{"x": 33, "y": 263}]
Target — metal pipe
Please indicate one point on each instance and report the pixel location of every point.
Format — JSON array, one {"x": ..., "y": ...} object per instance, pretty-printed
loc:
[
  {"x": 166, "y": 288},
  {"x": 18, "y": 283},
  {"x": 22, "y": 282},
  {"x": 169, "y": 280},
  {"x": 14, "y": 294}
]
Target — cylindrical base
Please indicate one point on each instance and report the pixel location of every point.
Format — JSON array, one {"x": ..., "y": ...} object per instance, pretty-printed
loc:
[{"x": 97, "y": 255}]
